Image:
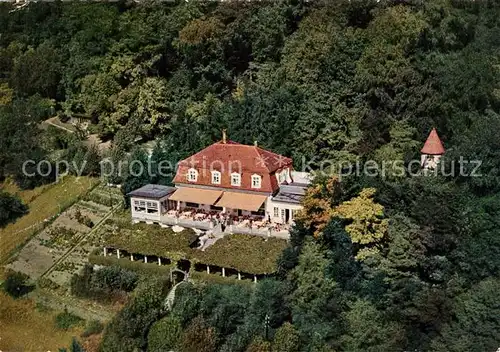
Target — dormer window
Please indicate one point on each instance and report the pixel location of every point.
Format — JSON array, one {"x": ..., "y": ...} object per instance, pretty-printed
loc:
[
  {"x": 216, "y": 177},
  {"x": 235, "y": 179},
  {"x": 192, "y": 175},
  {"x": 256, "y": 181}
]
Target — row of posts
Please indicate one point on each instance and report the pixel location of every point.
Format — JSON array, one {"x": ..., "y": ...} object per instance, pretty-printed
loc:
[{"x": 118, "y": 255}]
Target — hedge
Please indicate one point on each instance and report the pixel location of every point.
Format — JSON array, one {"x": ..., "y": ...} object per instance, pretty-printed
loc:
[{"x": 136, "y": 266}]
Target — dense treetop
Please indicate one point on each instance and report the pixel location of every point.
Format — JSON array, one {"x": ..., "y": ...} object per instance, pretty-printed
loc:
[{"x": 376, "y": 263}]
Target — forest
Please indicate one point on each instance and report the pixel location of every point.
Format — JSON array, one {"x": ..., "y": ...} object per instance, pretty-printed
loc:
[{"x": 376, "y": 263}]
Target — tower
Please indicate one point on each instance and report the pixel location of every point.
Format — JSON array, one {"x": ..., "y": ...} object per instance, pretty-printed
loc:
[{"x": 432, "y": 151}]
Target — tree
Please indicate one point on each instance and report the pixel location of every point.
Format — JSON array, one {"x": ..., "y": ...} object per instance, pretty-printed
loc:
[
  {"x": 92, "y": 161},
  {"x": 367, "y": 227},
  {"x": 199, "y": 337},
  {"x": 475, "y": 325},
  {"x": 11, "y": 208},
  {"x": 368, "y": 330},
  {"x": 128, "y": 329},
  {"x": 16, "y": 284},
  {"x": 286, "y": 339},
  {"x": 138, "y": 172},
  {"x": 37, "y": 71},
  {"x": 6, "y": 94},
  {"x": 316, "y": 302},
  {"x": 259, "y": 345},
  {"x": 223, "y": 307},
  {"x": 317, "y": 205},
  {"x": 164, "y": 334},
  {"x": 187, "y": 303}
]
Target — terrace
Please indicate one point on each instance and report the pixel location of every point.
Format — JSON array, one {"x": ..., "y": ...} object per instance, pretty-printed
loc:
[
  {"x": 218, "y": 221},
  {"x": 207, "y": 210},
  {"x": 163, "y": 248}
]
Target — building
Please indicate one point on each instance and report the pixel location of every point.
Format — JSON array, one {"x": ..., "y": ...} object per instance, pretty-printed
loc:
[
  {"x": 241, "y": 185},
  {"x": 148, "y": 203},
  {"x": 432, "y": 151}
]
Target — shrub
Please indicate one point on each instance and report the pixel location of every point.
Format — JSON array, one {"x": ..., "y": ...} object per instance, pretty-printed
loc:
[
  {"x": 16, "y": 285},
  {"x": 93, "y": 327},
  {"x": 114, "y": 278},
  {"x": 286, "y": 339},
  {"x": 259, "y": 345},
  {"x": 11, "y": 208},
  {"x": 75, "y": 347},
  {"x": 80, "y": 283},
  {"x": 83, "y": 219},
  {"x": 103, "y": 284},
  {"x": 67, "y": 320},
  {"x": 46, "y": 283},
  {"x": 199, "y": 337},
  {"x": 128, "y": 329},
  {"x": 165, "y": 334}
]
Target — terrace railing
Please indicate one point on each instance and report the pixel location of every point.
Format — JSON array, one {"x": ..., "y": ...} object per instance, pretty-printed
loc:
[{"x": 172, "y": 220}]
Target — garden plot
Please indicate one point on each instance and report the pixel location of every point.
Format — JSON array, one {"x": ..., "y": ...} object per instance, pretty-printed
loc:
[
  {"x": 105, "y": 196},
  {"x": 45, "y": 204},
  {"x": 64, "y": 270},
  {"x": 54, "y": 241}
]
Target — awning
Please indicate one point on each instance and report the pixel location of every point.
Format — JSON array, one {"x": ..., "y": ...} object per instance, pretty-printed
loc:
[
  {"x": 196, "y": 195},
  {"x": 244, "y": 201}
]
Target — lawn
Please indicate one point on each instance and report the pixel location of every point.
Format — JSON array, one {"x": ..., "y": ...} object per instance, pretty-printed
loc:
[
  {"x": 44, "y": 204},
  {"x": 25, "y": 328}
]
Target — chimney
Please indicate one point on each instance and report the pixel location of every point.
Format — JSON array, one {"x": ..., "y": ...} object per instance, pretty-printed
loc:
[
  {"x": 224, "y": 137},
  {"x": 255, "y": 143}
]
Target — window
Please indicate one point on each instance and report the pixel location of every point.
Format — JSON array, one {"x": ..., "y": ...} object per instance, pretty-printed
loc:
[
  {"x": 152, "y": 207},
  {"x": 283, "y": 214},
  {"x": 276, "y": 212},
  {"x": 235, "y": 179},
  {"x": 256, "y": 181},
  {"x": 139, "y": 206},
  {"x": 216, "y": 177},
  {"x": 282, "y": 176},
  {"x": 192, "y": 175},
  {"x": 192, "y": 205},
  {"x": 294, "y": 213}
]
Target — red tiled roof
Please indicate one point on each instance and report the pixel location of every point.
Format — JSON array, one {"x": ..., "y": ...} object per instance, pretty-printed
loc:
[
  {"x": 234, "y": 157},
  {"x": 433, "y": 144}
]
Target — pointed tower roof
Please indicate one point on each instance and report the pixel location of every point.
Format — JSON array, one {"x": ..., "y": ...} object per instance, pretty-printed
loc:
[{"x": 433, "y": 144}]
